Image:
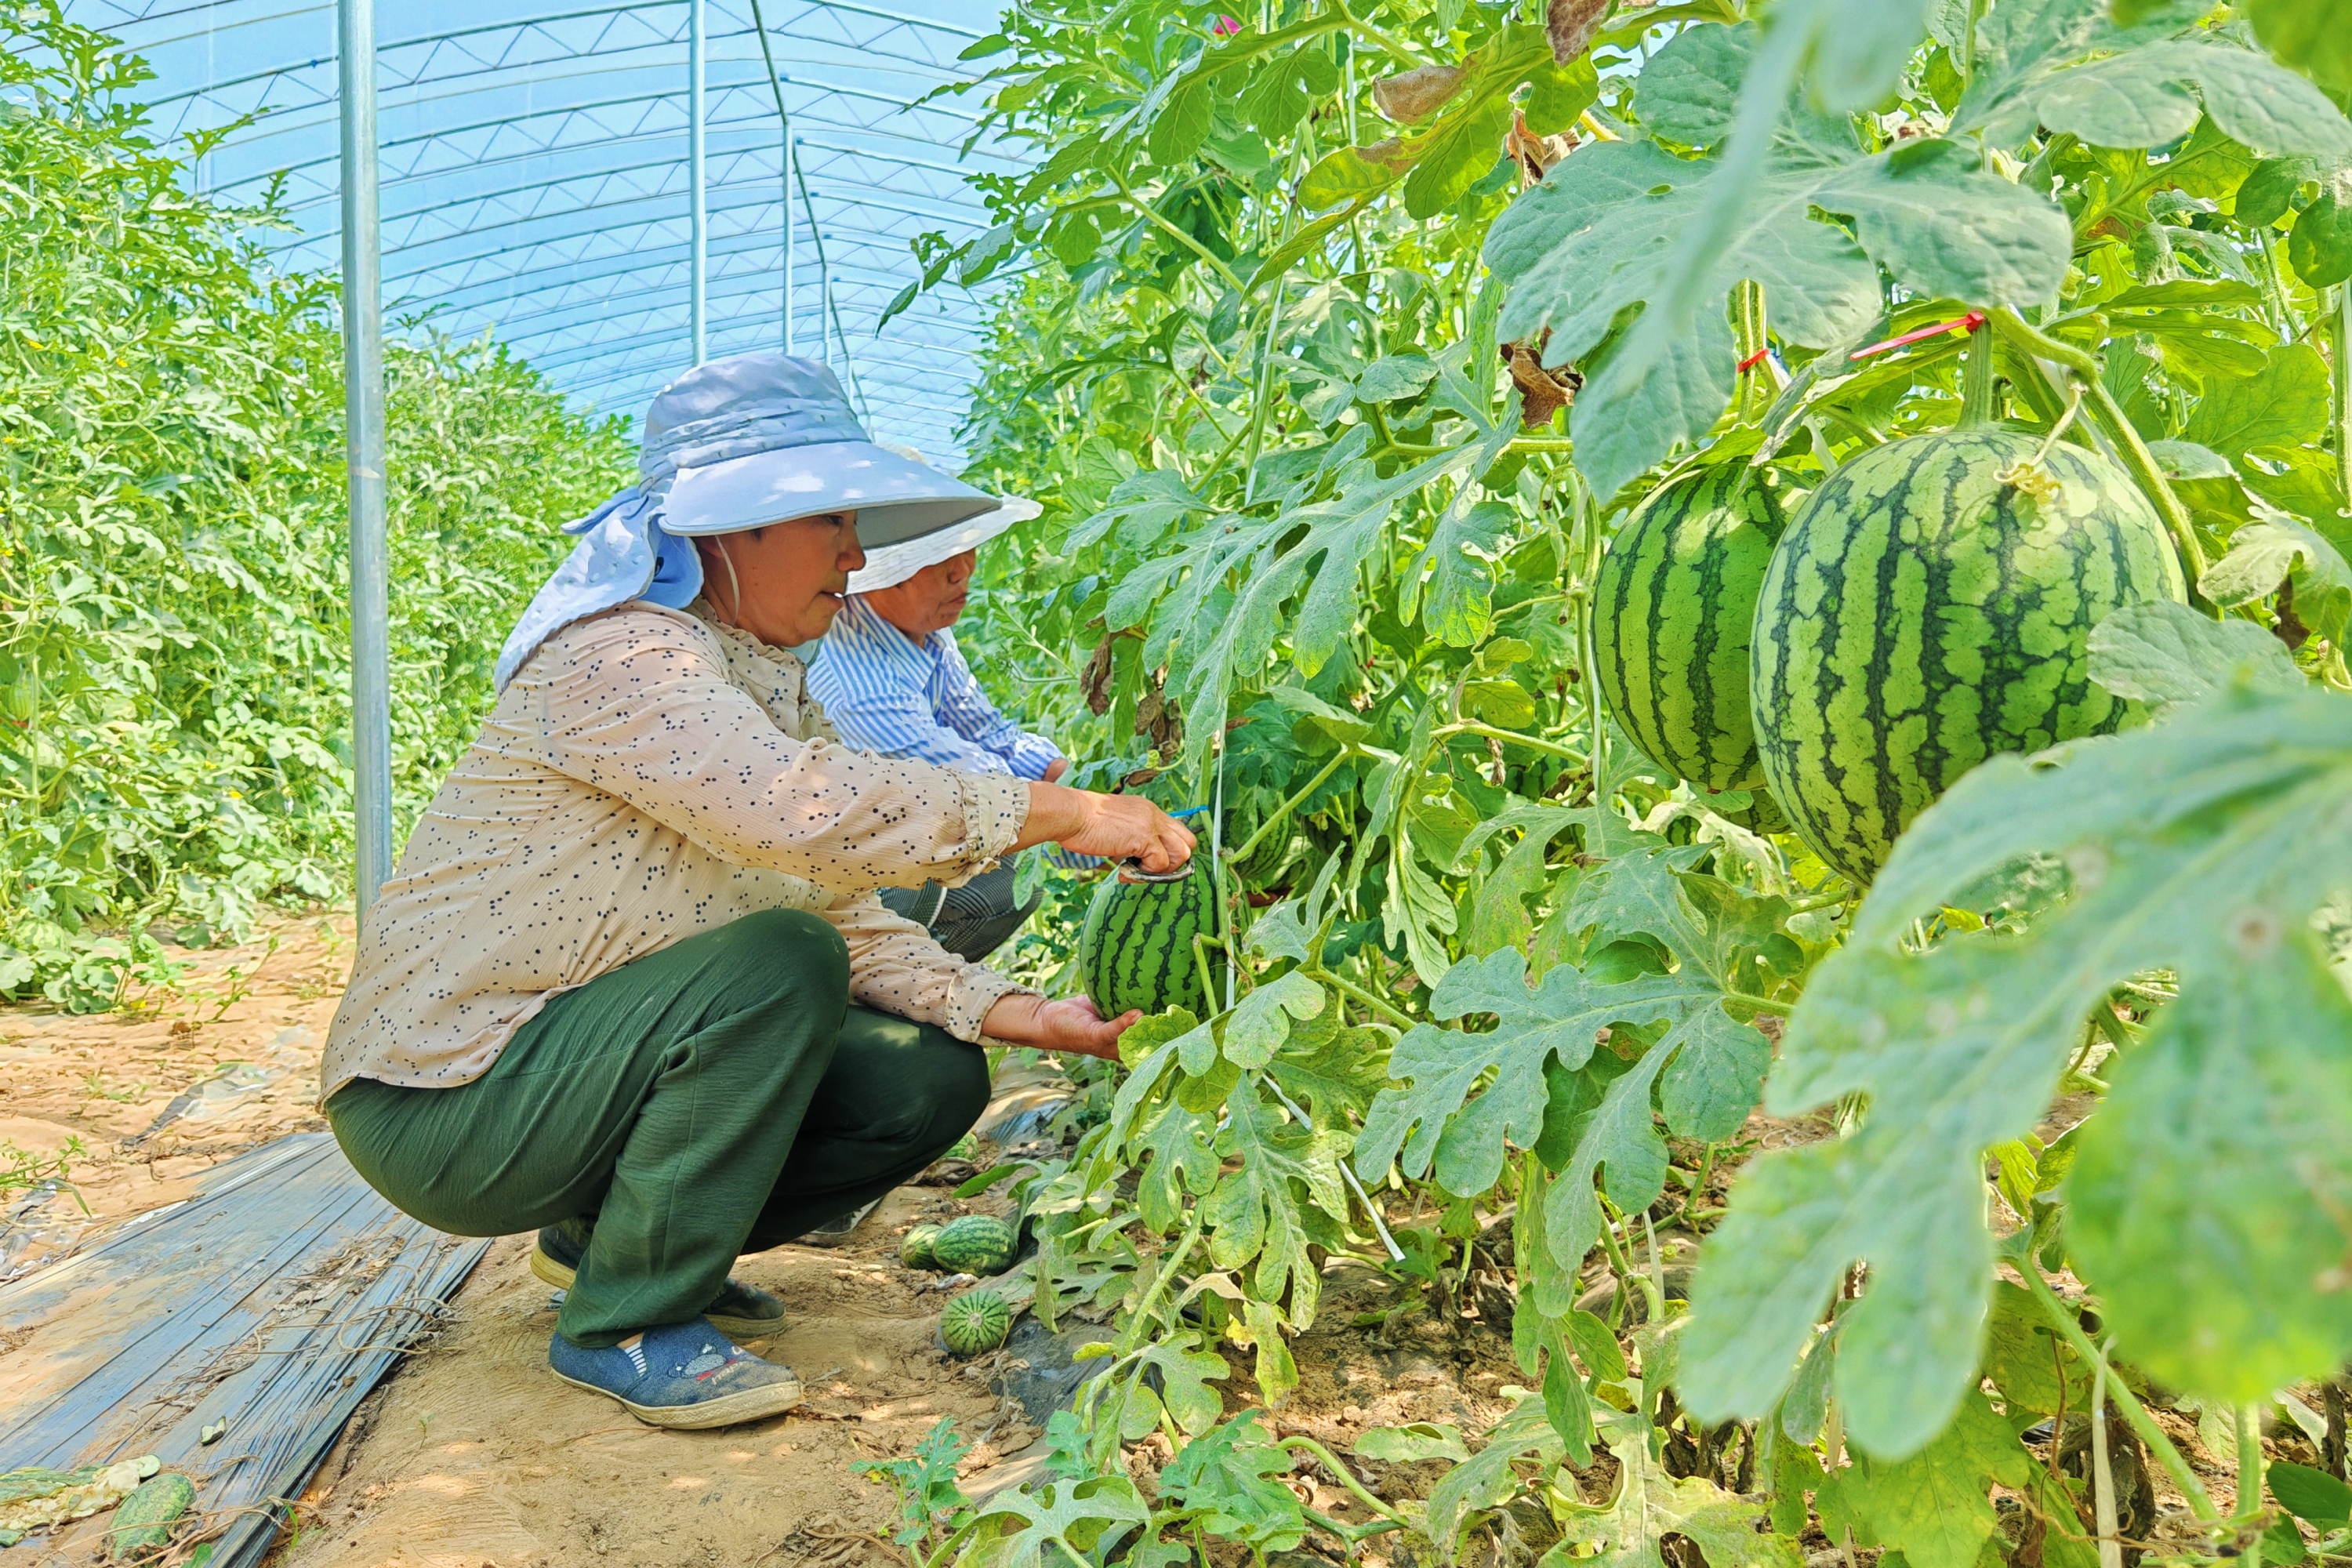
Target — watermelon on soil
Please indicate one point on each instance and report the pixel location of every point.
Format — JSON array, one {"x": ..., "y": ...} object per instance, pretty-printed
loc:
[
  {"x": 1135, "y": 947},
  {"x": 915, "y": 1249},
  {"x": 974, "y": 1244},
  {"x": 1672, "y": 613},
  {"x": 976, "y": 1322},
  {"x": 1920, "y": 614}
]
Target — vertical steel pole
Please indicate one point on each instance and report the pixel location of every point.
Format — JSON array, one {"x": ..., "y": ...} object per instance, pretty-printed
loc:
[
  {"x": 789, "y": 241},
  {"x": 363, "y": 452},
  {"x": 699, "y": 265}
]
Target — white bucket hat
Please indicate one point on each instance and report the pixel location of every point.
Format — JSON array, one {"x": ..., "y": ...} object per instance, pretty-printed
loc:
[
  {"x": 733, "y": 444},
  {"x": 894, "y": 564}
]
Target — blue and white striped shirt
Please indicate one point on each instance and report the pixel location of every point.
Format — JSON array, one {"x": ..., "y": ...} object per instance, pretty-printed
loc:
[{"x": 885, "y": 693}]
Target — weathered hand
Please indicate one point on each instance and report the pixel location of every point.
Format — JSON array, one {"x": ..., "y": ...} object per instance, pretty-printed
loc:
[
  {"x": 1069, "y": 1025},
  {"x": 1112, "y": 825}
]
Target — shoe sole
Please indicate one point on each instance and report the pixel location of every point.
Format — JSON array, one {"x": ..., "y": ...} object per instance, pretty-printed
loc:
[
  {"x": 729, "y": 1410},
  {"x": 736, "y": 1329}
]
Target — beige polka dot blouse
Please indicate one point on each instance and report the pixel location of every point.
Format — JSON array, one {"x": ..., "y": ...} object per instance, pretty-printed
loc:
[{"x": 647, "y": 775}]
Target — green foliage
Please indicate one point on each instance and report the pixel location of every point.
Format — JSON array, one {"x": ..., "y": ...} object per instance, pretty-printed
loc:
[
  {"x": 1318, "y": 550},
  {"x": 173, "y": 644}
]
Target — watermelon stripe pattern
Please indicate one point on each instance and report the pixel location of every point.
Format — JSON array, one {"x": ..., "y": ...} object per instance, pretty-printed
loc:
[
  {"x": 1135, "y": 947},
  {"x": 1921, "y": 616},
  {"x": 1671, "y": 618}
]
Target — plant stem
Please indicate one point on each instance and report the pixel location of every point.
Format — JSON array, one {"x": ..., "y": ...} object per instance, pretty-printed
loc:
[
  {"x": 2343, "y": 366},
  {"x": 1153, "y": 215},
  {"x": 1534, "y": 743},
  {"x": 1169, "y": 1264},
  {"x": 1324, "y": 1456},
  {"x": 2120, "y": 430},
  {"x": 2141, "y": 1422},
  {"x": 1977, "y": 409},
  {"x": 2250, "y": 1478},
  {"x": 1282, "y": 812},
  {"x": 2103, "y": 1476},
  {"x": 1351, "y": 989},
  {"x": 1265, "y": 393}
]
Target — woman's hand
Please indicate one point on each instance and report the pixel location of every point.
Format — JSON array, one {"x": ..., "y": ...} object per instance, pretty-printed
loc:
[
  {"x": 1055, "y": 769},
  {"x": 1112, "y": 825},
  {"x": 1071, "y": 1024}
]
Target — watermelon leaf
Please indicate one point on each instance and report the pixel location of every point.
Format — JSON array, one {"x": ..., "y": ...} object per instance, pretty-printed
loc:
[
  {"x": 2200, "y": 846},
  {"x": 1934, "y": 1506},
  {"x": 1591, "y": 243},
  {"x": 1487, "y": 1479},
  {"x": 2170, "y": 656},
  {"x": 1652, "y": 1503},
  {"x": 1284, "y": 1189},
  {"x": 1225, "y": 1480},
  {"x": 1076, "y": 1516}
]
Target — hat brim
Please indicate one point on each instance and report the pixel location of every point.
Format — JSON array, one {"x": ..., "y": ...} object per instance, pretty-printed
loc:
[
  {"x": 892, "y": 565},
  {"x": 895, "y": 499}
]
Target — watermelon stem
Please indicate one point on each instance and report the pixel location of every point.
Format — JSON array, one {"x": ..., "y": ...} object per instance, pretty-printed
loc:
[
  {"x": 1323, "y": 1457},
  {"x": 2120, "y": 429},
  {"x": 1977, "y": 404},
  {"x": 1534, "y": 743},
  {"x": 2135, "y": 1413},
  {"x": 1358, "y": 994}
]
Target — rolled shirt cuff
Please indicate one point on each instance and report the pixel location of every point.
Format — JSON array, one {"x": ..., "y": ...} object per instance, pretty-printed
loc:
[
  {"x": 972, "y": 993},
  {"x": 995, "y": 809}
]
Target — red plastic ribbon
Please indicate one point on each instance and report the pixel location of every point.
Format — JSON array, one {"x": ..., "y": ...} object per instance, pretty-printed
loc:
[
  {"x": 1225, "y": 26},
  {"x": 1752, "y": 361},
  {"x": 1970, "y": 322}
]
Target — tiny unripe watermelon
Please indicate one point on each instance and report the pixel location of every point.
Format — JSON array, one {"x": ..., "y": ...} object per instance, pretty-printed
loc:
[
  {"x": 976, "y": 1323},
  {"x": 1672, "y": 611},
  {"x": 1135, "y": 949},
  {"x": 915, "y": 1252},
  {"x": 142, "y": 1521},
  {"x": 1928, "y": 607},
  {"x": 975, "y": 1244}
]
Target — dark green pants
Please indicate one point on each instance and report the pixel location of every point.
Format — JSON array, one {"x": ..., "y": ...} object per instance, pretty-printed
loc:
[{"x": 717, "y": 1097}]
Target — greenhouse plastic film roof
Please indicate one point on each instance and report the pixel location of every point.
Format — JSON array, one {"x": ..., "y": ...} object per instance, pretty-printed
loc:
[{"x": 536, "y": 184}]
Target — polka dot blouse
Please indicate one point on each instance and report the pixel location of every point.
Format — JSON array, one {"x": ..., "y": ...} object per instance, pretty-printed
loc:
[{"x": 646, "y": 777}]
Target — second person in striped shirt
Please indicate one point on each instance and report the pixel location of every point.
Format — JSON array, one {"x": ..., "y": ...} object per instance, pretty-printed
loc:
[{"x": 892, "y": 682}]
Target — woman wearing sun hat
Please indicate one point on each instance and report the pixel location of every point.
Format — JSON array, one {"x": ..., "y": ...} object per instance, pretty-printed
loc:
[{"x": 629, "y": 985}]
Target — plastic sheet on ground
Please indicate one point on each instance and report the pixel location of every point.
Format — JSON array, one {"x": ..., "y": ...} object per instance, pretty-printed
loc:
[{"x": 272, "y": 1300}]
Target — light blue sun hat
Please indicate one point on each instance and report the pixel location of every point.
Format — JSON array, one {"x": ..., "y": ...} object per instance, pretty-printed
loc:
[{"x": 732, "y": 445}]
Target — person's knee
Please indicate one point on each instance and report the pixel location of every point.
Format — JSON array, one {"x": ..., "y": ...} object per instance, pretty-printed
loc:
[
  {"x": 953, "y": 1090},
  {"x": 780, "y": 955}
]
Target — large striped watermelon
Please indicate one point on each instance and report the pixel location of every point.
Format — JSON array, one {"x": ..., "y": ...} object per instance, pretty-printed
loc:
[
  {"x": 1671, "y": 615},
  {"x": 1920, "y": 614},
  {"x": 1135, "y": 947}
]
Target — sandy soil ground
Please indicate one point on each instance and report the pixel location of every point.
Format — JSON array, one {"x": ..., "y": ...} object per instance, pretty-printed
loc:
[{"x": 232, "y": 1054}]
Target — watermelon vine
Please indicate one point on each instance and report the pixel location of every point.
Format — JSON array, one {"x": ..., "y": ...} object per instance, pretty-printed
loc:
[{"x": 1710, "y": 560}]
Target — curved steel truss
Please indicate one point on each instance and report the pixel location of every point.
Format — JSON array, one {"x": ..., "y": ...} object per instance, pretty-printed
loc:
[{"x": 536, "y": 175}]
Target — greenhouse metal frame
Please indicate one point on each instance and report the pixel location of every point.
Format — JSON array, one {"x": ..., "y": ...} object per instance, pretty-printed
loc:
[{"x": 616, "y": 191}]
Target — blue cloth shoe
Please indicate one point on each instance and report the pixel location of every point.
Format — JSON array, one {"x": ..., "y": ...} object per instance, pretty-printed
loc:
[
  {"x": 740, "y": 1312},
  {"x": 685, "y": 1376}
]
